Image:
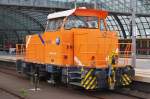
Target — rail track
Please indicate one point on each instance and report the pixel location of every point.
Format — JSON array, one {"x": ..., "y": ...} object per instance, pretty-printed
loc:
[
  {"x": 131, "y": 93},
  {"x": 11, "y": 93},
  {"x": 94, "y": 96},
  {"x": 10, "y": 70},
  {"x": 97, "y": 96},
  {"x": 7, "y": 67}
]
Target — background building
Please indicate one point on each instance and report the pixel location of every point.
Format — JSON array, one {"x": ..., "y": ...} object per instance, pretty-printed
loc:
[{"x": 22, "y": 17}]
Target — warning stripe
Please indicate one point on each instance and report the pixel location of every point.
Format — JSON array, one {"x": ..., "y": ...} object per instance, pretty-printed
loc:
[
  {"x": 125, "y": 80},
  {"x": 122, "y": 82},
  {"x": 86, "y": 76},
  {"x": 94, "y": 85},
  {"x": 90, "y": 86},
  {"x": 127, "y": 77},
  {"x": 89, "y": 81}
]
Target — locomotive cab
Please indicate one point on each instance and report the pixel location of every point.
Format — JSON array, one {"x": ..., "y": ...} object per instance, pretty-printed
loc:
[{"x": 88, "y": 35}]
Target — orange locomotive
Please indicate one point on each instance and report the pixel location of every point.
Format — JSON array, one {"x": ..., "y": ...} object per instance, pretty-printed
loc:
[{"x": 77, "y": 49}]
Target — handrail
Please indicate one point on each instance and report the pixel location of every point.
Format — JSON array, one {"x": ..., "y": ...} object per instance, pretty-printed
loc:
[{"x": 20, "y": 51}]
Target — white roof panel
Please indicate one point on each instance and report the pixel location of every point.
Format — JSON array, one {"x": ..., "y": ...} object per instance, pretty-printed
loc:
[{"x": 61, "y": 14}]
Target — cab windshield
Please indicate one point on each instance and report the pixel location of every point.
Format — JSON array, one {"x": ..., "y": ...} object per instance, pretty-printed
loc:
[{"x": 81, "y": 22}]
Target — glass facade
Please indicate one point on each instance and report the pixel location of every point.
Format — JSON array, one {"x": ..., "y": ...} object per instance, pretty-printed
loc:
[
  {"x": 142, "y": 6},
  {"x": 28, "y": 18},
  {"x": 118, "y": 23}
]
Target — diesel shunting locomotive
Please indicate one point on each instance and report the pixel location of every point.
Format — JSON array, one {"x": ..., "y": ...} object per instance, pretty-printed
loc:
[{"x": 77, "y": 49}]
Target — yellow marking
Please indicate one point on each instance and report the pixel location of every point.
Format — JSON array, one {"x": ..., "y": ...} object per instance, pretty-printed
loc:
[
  {"x": 82, "y": 69},
  {"x": 84, "y": 86},
  {"x": 94, "y": 86},
  {"x": 126, "y": 82},
  {"x": 88, "y": 74},
  {"x": 123, "y": 83},
  {"x": 110, "y": 80},
  {"x": 128, "y": 79},
  {"x": 82, "y": 82},
  {"x": 126, "y": 76},
  {"x": 91, "y": 82},
  {"x": 88, "y": 80},
  {"x": 82, "y": 76}
]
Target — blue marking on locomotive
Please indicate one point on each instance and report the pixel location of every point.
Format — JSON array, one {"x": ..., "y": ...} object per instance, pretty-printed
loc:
[
  {"x": 42, "y": 40},
  {"x": 57, "y": 40}
]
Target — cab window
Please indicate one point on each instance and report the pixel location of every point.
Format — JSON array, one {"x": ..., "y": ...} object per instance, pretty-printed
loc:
[
  {"x": 54, "y": 24},
  {"x": 81, "y": 22},
  {"x": 102, "y": 25}
]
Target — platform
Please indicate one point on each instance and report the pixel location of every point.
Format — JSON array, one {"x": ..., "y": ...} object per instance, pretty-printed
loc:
[
  {"x": 142, "y": 75},
  {"x": 142, "y": 70},
  {"x": 9, "y": 58}
]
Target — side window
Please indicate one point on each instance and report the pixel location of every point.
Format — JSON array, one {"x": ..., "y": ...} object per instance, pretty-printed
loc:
[
  {"x": 69, "y": 23},
  {"x": 50, "y": 26},
  {"x": 102, "y": 25},
  {"x": 54, "y": 24},
  {"x": 59, "y": 23}
]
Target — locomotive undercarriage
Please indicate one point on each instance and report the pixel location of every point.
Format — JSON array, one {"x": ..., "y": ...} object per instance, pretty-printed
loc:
[{"x": 88, "y": 78}]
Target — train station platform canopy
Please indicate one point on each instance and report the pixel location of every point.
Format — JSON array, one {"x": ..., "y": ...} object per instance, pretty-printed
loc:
[{"x": 21, "y": 17}]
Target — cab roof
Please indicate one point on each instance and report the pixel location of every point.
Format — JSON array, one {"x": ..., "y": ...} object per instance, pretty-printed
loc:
[{"x": 79, "y": 12}]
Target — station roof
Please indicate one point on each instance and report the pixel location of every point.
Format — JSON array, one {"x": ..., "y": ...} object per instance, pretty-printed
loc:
[{"x": 16, "y": 20}]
